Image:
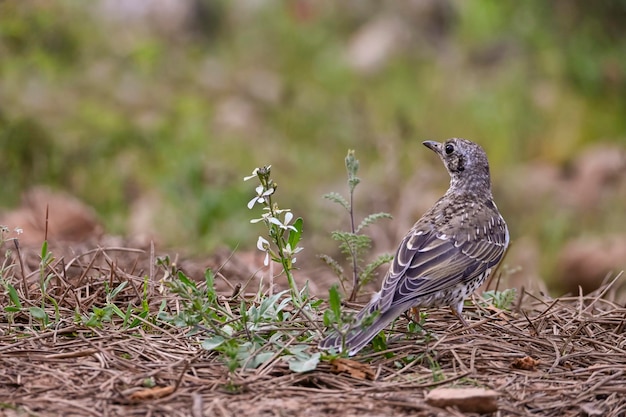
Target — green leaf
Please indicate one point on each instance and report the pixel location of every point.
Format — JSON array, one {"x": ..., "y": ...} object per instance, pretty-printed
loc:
[
  {"x": 368, "y": 272},
  {"x": 183, "y": 278},
  {"x": 44, "y": 250},
  {"x": 339, "y": 199},
  {"x": 379, "y": 342},
  {"x": 12, "y": 309},
  {"x": 212, "y": 343},
  {"x": 38, "y": 313},
  {"x": 315, "y": 304},
  {"x": 352, "y": 166},
  {"x": 258, "y": 359},
  {"x": 334, "y": 299},
  {"x": 209, "y": 281},
  {"x": 334, "y": 265},
  {"x": 93, "y": 321},
  {"x": 129, "y": 311},
  {"x": 372, "y": 218},
  {"x": 304, "y": 365},
  {"x": 118, "y": 289},
  {"x": 115, "y": 309},
  {"x": 329, "y": 318},
  {"x": 14, "y": 297},
  {"x": 295, "y": 236},
  {"x": 501, "y": 299}
]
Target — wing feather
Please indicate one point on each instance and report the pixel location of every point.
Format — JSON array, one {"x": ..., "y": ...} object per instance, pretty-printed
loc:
[{"x": 427, "y": 262}]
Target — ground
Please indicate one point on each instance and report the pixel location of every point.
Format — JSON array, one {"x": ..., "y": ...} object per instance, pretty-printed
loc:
[{"x": 544, "y": 356}]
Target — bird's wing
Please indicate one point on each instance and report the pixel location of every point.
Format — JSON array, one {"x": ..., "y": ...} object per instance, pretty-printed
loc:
[{"x": 428, "y": 261}]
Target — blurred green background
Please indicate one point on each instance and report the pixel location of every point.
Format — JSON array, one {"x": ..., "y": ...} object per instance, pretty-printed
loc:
[{"x": 158, "y": 109}]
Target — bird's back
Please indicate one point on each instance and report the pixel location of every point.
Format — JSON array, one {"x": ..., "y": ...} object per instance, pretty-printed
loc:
[{"x": 446, "y": 255}]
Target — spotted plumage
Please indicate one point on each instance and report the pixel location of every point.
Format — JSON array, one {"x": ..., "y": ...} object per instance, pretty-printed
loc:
[{"x": 446, "y": 255}]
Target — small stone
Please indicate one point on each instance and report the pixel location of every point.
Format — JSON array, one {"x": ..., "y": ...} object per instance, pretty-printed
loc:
[{"x": 470, "y": 400}]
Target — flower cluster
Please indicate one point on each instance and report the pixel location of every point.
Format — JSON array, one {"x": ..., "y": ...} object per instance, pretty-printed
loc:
[{"x": 284, "y": 232}]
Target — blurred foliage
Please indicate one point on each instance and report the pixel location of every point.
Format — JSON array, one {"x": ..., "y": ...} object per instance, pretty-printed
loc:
[{"x": 117, "y": 100}]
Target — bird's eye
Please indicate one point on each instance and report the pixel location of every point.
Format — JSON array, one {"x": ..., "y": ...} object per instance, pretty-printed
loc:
[{"x": 449, "y": 149}]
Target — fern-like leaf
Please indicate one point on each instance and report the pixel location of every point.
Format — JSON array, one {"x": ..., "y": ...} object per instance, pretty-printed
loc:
[
  {"x": 339, "y": 199},
  {"x": 501, "y": 299},
  {"x": 372, "y": 218},
  {"x": 351, "y": 244},
  {"x": 369, "y": 272},
  {"x": 334, "y": 266}
]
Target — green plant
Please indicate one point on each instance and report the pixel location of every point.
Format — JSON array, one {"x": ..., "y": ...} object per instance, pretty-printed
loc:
[
  {"x": 435, "y": 368},
  {"x": 282, "y": 234},
  {"x": 15, "y": 304},
  {"x": 39, "y": 313},
  {"x": 502, "y": 300},
  {"x": 353, "y": 243},
  {"x": 343, "y": 323},
  {"x": 248, "y": 333},
  {"x": 131, "y": 318}
]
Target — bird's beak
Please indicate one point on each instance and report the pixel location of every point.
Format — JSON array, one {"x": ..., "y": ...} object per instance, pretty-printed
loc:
[{"x": 433, "y": 146}]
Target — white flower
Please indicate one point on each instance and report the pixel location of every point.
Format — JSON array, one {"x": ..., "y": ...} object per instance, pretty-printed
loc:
[
  {"x": 283, "y": 225},
  {"x": 264, "y": 246},
  {"x": 289, "y": 252},
  {"x": 264, "y": 216},
  {"x": 261, "y": 196},
  {"x": 254, "y": 174}
]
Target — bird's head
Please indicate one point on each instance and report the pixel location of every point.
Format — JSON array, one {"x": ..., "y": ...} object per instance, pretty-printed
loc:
[{"x": 466, "y": 163}]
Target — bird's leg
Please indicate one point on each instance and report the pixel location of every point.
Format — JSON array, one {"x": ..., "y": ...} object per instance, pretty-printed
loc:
[
  {"x": 459, "y": 316},
  {"x": 457, "y": 311}
]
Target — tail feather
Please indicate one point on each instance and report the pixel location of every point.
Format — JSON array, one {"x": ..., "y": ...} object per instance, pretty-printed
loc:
[{"x": 360, "y": 336}]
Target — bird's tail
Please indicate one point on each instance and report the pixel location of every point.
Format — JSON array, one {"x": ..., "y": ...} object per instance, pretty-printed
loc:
[{"x": 360, "y": 334}]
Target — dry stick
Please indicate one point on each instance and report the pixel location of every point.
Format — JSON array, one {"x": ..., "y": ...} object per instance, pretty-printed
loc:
[
  {"x": 604, "y": 291},
  {"x": 53, "y": 333},
  {"x": 152, "y": 262},
  {"x": 196, "y": 405},
  {"x": 74, "y": 404},
  {"x": 85, "y": 270},
  {"x": 223, "y": 411},
  {"x": 63, "y": 279},
  {"x": 604, "y": 380},
  {"x": 306, "y": 315},
  {"x": 119, "y": 272},
  {"x": 112, "y": 275},
  {"x": 184, "y": 371},
  {"x": 574, "y": 333},
  {"x": 232, "y": 253},
  {"x": 410, "y": 384},
  {"x": 68, "y": 355},
  {"x": 401, "y": 371},
  {"x": 621, "y": 325},
  {"x": 105, "y": 249},
  {"x": 235, "y": 291},
  {"x": 79, "y": 306},
  {"x": 557, "y": 354},
  {"x": 24, "y": 280},
  {"x": 531, "y": 323},
  {"x": 227, "y": 282}
]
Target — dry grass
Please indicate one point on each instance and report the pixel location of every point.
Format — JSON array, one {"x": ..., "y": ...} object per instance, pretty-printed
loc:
[{"x": 575, "y": 349}]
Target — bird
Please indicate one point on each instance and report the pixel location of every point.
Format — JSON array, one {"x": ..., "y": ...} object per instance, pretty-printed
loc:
[{"x": 445, "y": 256}]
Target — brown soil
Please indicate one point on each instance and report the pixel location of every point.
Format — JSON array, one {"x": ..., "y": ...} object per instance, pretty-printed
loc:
[{"x": 548, "y": 357}]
